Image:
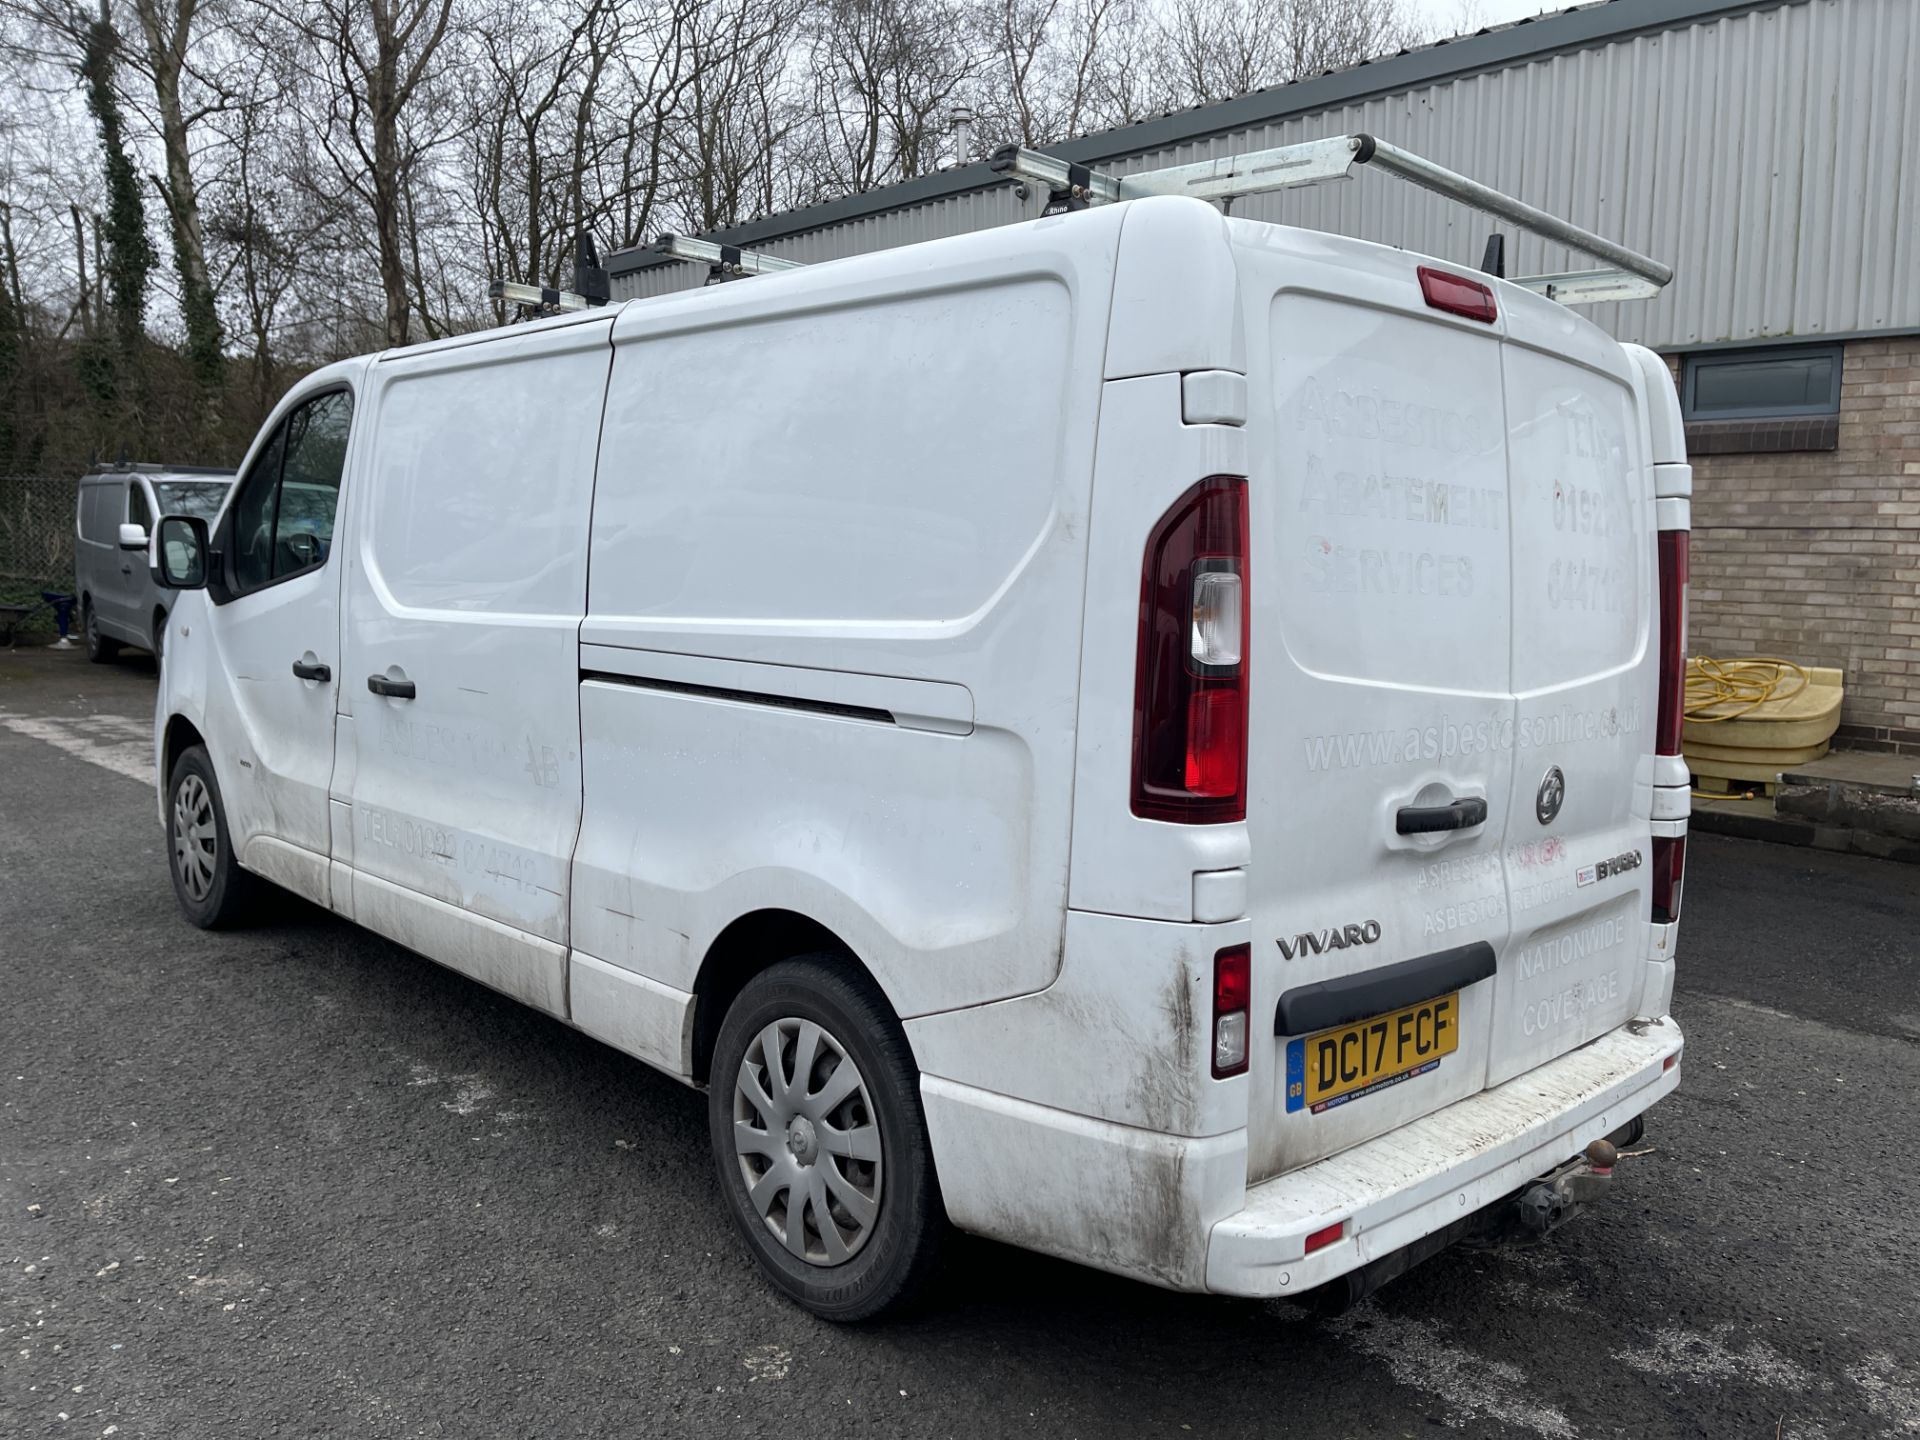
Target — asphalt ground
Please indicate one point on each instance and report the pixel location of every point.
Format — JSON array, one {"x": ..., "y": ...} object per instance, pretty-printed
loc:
[{"x": 297, "y": 1181}]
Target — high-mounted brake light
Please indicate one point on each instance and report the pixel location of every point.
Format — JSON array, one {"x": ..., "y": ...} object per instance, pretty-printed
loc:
[
  {"x": 1669, "y": 716},
  {"x": 1457, "y": 295},
  {"x": 1669, "y": 871},
  {"x": 1232, "y": 998},
  {"x": 1190, "y": 681}
]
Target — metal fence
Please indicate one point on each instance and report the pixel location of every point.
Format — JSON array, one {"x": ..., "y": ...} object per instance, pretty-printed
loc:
[
  {"x": 36, "y": 545},
  {"x": 36, "y": 529}
]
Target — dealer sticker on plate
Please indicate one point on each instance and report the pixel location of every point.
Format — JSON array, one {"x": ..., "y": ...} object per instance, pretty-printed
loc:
[{"x": 1351, "y": 1061}]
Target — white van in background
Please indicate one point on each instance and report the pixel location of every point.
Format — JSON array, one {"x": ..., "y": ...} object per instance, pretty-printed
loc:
[
  {"x": 1147, "y": 736},
  {"x": 120, "y": 603}
]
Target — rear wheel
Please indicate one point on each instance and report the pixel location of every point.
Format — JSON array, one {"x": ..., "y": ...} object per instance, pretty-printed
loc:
[
  {"x": 99, "y": 648},
  {"x": 820, "y": 1141},
  {"x": 212, "y": 889}
]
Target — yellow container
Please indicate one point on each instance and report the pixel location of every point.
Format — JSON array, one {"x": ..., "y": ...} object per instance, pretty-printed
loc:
[{"x": 1748, "y": 720}]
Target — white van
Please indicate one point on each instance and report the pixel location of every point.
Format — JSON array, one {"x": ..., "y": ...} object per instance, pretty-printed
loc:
[{"x": 1147, "y": 736}]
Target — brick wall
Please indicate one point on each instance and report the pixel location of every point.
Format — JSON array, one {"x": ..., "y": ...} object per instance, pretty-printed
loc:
[{"x": 1814, "y": 556}]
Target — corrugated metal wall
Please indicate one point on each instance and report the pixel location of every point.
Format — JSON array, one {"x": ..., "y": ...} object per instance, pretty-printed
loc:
[{"x": 1772, "y": 157}]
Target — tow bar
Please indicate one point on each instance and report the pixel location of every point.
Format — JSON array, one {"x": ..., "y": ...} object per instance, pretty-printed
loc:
[
  {"x": 1541, "y": 1207},
  {"x": 1551, "y": 1201}
]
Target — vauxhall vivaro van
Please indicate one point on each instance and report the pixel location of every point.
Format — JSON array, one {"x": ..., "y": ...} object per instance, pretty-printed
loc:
[
  {"x": 120, "y": 603},
  {"x": 1149, "y": 736}
]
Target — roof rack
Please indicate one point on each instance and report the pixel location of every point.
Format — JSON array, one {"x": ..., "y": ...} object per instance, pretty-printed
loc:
[
  {"x": 153, "y": 467},
  {"x": 1629, "y": 276},
  {"x": 591, "y": 287},
  {"x": 724, "y": 262},
  {"x": 541, "y": 299}
]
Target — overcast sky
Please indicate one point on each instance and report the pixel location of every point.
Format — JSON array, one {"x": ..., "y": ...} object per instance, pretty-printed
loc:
[{"x": 1447, "y": 17}]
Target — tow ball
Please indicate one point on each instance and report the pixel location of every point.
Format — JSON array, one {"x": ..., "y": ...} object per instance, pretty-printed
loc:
[{"x": 1552, "y": 1200}]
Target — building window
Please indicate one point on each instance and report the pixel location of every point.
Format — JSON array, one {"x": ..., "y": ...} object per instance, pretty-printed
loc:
[{"x": 1762, "y": 384}]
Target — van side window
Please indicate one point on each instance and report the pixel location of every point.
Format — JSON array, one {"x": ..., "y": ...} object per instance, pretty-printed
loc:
[
  {"x": 138, "y": 511},
  {"x": 253, "y": 516},
  {"x": 100, "y": 512},
  {"x": 283, "y": 519}
]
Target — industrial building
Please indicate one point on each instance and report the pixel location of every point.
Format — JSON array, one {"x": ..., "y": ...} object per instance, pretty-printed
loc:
[{"x": 1768, "y": 151}]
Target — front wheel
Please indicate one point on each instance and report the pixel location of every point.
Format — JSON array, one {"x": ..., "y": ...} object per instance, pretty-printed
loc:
[
  {"x": 99, "y": 648},
  {"x": 821, "y": 1143},
  {"x": 212, "y": 889}
]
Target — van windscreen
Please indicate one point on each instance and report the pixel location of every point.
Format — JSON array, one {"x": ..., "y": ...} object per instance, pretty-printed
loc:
[{"x": 199, "y": 498}]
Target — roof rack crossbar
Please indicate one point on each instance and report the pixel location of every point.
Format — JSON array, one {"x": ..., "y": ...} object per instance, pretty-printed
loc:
[
  {"x": 1421, "y": 171},
  {"x": 1073, "y": 187},
  {"x": 727, "y": 261},
  {"x": 541, "y": 298}
]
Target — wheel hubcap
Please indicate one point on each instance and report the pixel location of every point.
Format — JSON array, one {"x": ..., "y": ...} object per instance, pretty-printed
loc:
[
  {"x": 194, "y": 837},
  {"x": 803, "y": 1141},
  {"x": 808, "y": 1141}
]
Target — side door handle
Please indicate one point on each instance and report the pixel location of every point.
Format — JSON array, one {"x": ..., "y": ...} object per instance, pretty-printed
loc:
[
  {"x": 307, "y": 671},
  {"x": 1431, "y": 819},
  {"x": 392, "y": 689}
]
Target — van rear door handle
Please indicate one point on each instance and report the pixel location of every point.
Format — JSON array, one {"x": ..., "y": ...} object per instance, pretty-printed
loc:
[
  {"x": 306, "y": 671},
  {"x": 392, "y": 689},
  {"x": 1430, "y": 819}
]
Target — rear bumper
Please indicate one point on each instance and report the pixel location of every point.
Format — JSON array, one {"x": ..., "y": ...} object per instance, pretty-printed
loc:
[
  {"x": 1177, "y": 1211},
  {"x": 1403, "y": 1186}
]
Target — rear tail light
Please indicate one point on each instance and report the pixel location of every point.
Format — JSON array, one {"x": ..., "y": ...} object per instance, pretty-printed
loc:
[
  {"x": 1670, "y": 851},
  {"x": 1669, "y": 870},
  {"x": 1190, "y": 684},
  {"x": 1232, "y": 996},
  {"x": 1670, "y": 715},
  {"x": 1457, "y": 295}
]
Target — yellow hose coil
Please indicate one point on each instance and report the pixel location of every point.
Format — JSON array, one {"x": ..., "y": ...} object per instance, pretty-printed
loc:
[{"x": 1727, "y": 689}]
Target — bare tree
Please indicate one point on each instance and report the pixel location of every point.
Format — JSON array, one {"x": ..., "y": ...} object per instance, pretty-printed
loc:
[
  {"x": 739, "y": 115},
  {"x": 883, "y": 74},
  {"x": 1322, "y": 35},
  {"x": 260, "y": 229},
  {"x": 339, "y": 175},
  {"x": 532, "y": 142},
  {"x": 1216, "y": 49},
  {"x": 378, "y": 56},
  {"x": 1052, "y": 67}
]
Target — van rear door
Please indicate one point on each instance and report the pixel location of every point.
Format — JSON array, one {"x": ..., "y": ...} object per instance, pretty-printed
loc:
[
  {"x": 1382, "y": 710},
  {"x": 1586, "y": 675}
]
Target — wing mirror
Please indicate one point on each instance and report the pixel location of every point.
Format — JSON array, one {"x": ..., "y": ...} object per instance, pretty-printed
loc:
[
  {"x": 181, "y": 556},
  {"x": 133, "y": 537}
]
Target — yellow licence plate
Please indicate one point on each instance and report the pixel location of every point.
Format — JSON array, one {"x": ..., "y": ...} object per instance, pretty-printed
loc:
[{"x": 1350, "y": 1061}]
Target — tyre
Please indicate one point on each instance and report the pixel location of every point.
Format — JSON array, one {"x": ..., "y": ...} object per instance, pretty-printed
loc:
[
  {"x": 821, "y": 1143},
  {"x": 159, "y": 637},
  {"x": 212, "y": 889},
  {"x": 99, "y": 648}
]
